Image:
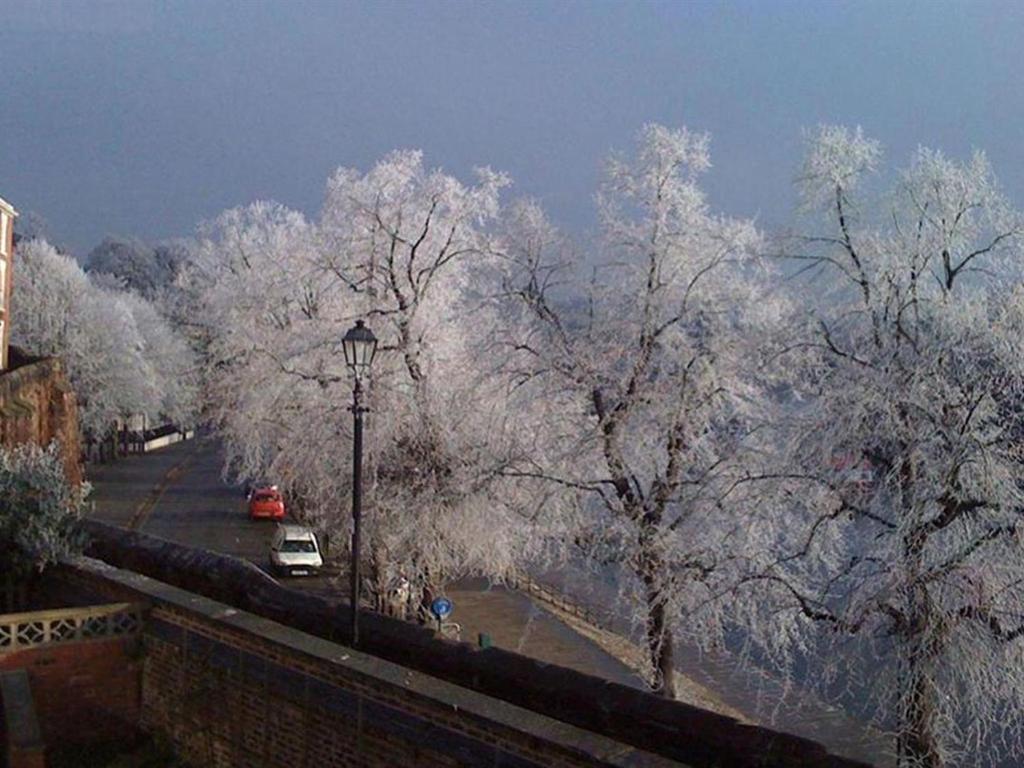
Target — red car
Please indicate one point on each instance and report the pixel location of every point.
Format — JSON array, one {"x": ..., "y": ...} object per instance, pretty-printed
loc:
[{"x": 266, "y": 503}]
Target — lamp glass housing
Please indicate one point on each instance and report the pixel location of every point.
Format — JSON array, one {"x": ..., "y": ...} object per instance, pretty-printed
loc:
[{"x": 360, "y": 346}]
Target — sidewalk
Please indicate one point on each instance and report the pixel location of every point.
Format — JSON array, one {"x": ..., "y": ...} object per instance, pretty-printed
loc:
[{"x": 516, "y": 623}]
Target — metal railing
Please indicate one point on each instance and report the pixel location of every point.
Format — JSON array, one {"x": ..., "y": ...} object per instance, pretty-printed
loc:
[
  {"x": 19, "y": 631},
  {"x": 546, "y": 594}
]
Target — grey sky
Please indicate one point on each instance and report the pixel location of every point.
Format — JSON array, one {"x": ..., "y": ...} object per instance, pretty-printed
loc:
[{"x": 136, "y": 117}]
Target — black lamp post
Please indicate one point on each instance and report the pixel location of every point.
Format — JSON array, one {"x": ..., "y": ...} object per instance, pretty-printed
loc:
[{"x": 360, "y": 346}]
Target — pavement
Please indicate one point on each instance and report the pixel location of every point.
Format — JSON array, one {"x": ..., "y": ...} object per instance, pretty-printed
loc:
[{"x": 514, "y": 622}]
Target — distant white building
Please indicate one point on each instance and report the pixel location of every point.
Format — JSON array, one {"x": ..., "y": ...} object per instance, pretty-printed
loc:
[{"x": 7, "y": 217}]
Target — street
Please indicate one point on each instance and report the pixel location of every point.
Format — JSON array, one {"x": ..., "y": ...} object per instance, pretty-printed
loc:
[{"x": 188, "y": 502}]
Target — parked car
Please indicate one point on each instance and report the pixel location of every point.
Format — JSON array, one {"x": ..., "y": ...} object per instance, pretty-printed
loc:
[
  {"x": 266, "y": 503},
  {"x": 295, "y": 551}
]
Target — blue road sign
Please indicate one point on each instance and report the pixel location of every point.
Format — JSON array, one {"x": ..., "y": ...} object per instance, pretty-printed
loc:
[{"x": 441, "y": 607}]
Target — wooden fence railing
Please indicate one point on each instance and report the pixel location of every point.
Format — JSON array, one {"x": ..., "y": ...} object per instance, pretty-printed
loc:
[{"x": 19, "y": 631}]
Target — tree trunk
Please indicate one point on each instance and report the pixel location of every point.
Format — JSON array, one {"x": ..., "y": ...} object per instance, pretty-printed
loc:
[
  {"x": 659, "y": 636},
  {"x": 375, "y": 579},
  {"x": 662, "y": 652},
  {"x": 427, "y": 595},
  {"x": 917, "y": 746}
]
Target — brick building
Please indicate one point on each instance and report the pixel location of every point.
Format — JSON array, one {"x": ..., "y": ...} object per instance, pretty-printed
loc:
[{"x": 7, "y": 216}]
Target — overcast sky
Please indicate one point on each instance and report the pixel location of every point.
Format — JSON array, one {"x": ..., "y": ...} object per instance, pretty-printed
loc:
[{"x": 143, "y": 118}]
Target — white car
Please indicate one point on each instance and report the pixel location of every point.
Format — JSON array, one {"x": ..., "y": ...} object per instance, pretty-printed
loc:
[{"x": 294, "y": 551}]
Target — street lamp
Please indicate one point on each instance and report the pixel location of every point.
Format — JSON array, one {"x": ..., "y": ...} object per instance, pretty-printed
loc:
[{"x": 360, "y": 346}]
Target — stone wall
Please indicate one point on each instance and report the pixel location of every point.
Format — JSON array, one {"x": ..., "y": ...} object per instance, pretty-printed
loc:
[{"x": 38, "y": 406}]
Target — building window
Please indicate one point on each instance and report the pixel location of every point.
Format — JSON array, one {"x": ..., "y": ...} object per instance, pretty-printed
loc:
[
  {"x": 3, "y": 284},
  {"x": 3, "y": 234}
]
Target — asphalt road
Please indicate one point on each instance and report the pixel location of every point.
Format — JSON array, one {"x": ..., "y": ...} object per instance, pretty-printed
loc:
[
  {"x": 198, "y": 509},
  {"x": 177, "y": 493}
]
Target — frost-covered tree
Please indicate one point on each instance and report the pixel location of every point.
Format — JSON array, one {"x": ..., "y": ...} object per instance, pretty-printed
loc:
[
  {"x": 136, "y": 265},
  {"x": 241, "y": 284},
  {"x": 893, "y": 561},
  {"x": 169, "y": 362},
  {"x": 40, "y": 510},
  {"x": 640, "y": 387},
  {"x": 398, "y": 246},
  {"x": 121, "y": 356},
  {"x": 408, "y": 240}
]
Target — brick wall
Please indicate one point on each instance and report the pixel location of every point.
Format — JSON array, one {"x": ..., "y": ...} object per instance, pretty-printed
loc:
[
  {"x": 85, "y": 692},
  {"x": 20, "y": 740},
  {"x": 38, "y": 406},
  {"x": 234, "y": 699}
]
